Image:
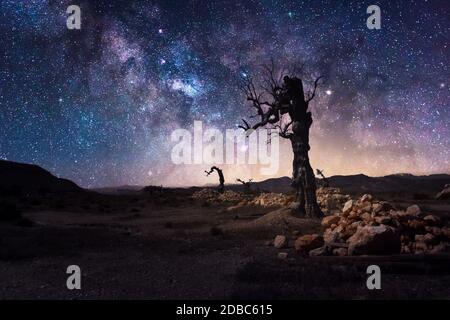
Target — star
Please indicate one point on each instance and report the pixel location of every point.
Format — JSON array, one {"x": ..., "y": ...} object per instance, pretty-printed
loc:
[{"x": 107, "y": 100}]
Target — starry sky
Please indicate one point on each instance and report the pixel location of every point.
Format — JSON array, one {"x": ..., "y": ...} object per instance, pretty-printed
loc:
[{"x": 98, "y": 105}]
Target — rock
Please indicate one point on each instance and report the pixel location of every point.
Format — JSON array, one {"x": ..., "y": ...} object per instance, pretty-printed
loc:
[
  {"x": 420, "y": 247},
  {"x": 441, "y": 247},
  {"x": 377, "y": 207},
  {"x": 446, "y": 233},
  {"x": 427, "y": 238},
  {"x": 329, "y": 220},
  {"x": 321, "y": 251},
  {"x": 339, "y": 229},
  {"x": 444, "y": 194},
  {"x": 308, "y": 242},
  {"x": 330, "y": 236},
  {"x": 280, "y": 241},
  {"x": 382, "y": 206},
  {"x": 405, "y": 249},
  {"x": 369, "y": 226},
  {"x": 384, "y": 220},
  {"x": 282, "y": 255},
  {"x": 348, "y": 232},
  {"x": 232, "y": 208},
  {"x": 348, "y": 206},
  {"x": 374, "y": 240},
  {"x": 340, "y": 252},
  {"x": 366, "y": 207},
  {"x": 272, "y": 200},
  {"x": 434, "y": 231},
  {"x": 432, "y": 220},
  {"x": 413, "y": 210},
  {"x": 418, "y": 226},
  {"x": 331, "y": 200},
  {"x": 367, "y": 217},
  {"x": 366, "y": 197}
]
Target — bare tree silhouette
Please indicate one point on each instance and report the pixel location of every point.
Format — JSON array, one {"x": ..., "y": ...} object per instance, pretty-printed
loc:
[
  {"x": 281, "y": 103},
  {"x": 221, "y": 178},
  {"x": 245, "y": 183},
  {"x": 326, "y": 183}
]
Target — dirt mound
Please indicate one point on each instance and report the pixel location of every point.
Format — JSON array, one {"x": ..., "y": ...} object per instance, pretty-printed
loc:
[
  {"x": 284, "y": 220},
  {"x": 367, "y": 226}
]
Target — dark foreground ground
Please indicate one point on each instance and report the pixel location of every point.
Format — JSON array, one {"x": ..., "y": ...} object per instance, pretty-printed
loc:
[{"x": 172, "y": 247}]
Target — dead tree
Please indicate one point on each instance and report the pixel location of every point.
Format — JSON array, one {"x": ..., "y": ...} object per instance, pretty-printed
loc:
[
  {"x": 326, "y": 183},
  {"x": 281, "y": 103},
  {"x": 246, "y": 184},
  {"x": 221, "y": 178}
]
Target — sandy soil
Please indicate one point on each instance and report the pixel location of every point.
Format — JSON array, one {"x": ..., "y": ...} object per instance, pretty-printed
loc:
[{"x": 151, "y": 247}]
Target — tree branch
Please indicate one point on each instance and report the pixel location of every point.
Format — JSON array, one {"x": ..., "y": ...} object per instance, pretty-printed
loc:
[{"x": 314, "y": 90}]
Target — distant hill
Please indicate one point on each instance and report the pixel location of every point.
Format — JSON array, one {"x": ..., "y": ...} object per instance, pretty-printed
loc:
[
  {"x": 125, "y": 189},
  {"x": 26, "y": 177},
  {"x": 18, "y": 177},
  {"x": 360, "y": 183}
]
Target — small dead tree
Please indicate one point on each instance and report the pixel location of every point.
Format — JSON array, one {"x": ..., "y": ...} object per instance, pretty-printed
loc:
[
  {"x": 245, "y": 183},
  {"x": 281, "y": 103},
  {"x": 221, "y": 178},
  {"x": 326, "y": 183}
]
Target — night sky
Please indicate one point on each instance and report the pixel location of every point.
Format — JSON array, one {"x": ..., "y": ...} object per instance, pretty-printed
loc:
[{"x": 98, "y": 105}]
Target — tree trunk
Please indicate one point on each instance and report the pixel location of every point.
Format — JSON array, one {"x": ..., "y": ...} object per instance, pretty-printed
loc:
[{"x": 303, "y": 179}]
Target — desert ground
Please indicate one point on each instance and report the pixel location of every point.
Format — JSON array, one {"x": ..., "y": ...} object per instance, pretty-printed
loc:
[{"x": 174, "y": 244}]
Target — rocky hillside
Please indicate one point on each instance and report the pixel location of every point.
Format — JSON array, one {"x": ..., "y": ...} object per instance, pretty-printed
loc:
[{"x": 19, "y": 177}]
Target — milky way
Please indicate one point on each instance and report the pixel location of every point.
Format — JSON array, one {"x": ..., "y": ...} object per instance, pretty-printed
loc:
[{"x": 98, "y": 105}]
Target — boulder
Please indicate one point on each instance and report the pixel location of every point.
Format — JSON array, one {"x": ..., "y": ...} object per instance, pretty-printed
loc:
[
  {"x": 308, "y": 242},
  {"x": 420, "y": 247},
  {"x": 413, "y": 210},
  {"x": 433, "y": 230},
  {"x": 426, "y": 238},
  {"x": 432, "y": 220},
  {"x": 444, "y": 194},
  {"x": 340, "y": 252},
  {"x": 374, "y": 240},
  {"x": 366, "y": 207},
  {"x": 366, "y": 197},
  {"x": 280, "y": 241},
  {"x": 329, "y": 220},
  {"x": 321, "y": 251},
  {"x": 331, "y": 200},
  {"x": 366, "y": 216},
  {"x": 446, "y": 233},
  {"x": 331, "y": 236},
  {"x": 418, "y": 226},
  {"x": 348, "y": 206},
  {"x": 382, "y": 206},
  {"x": 384, "y": 220},
  {"x": 282, "y": 255},
  {"x": 440, "y": 248}
]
